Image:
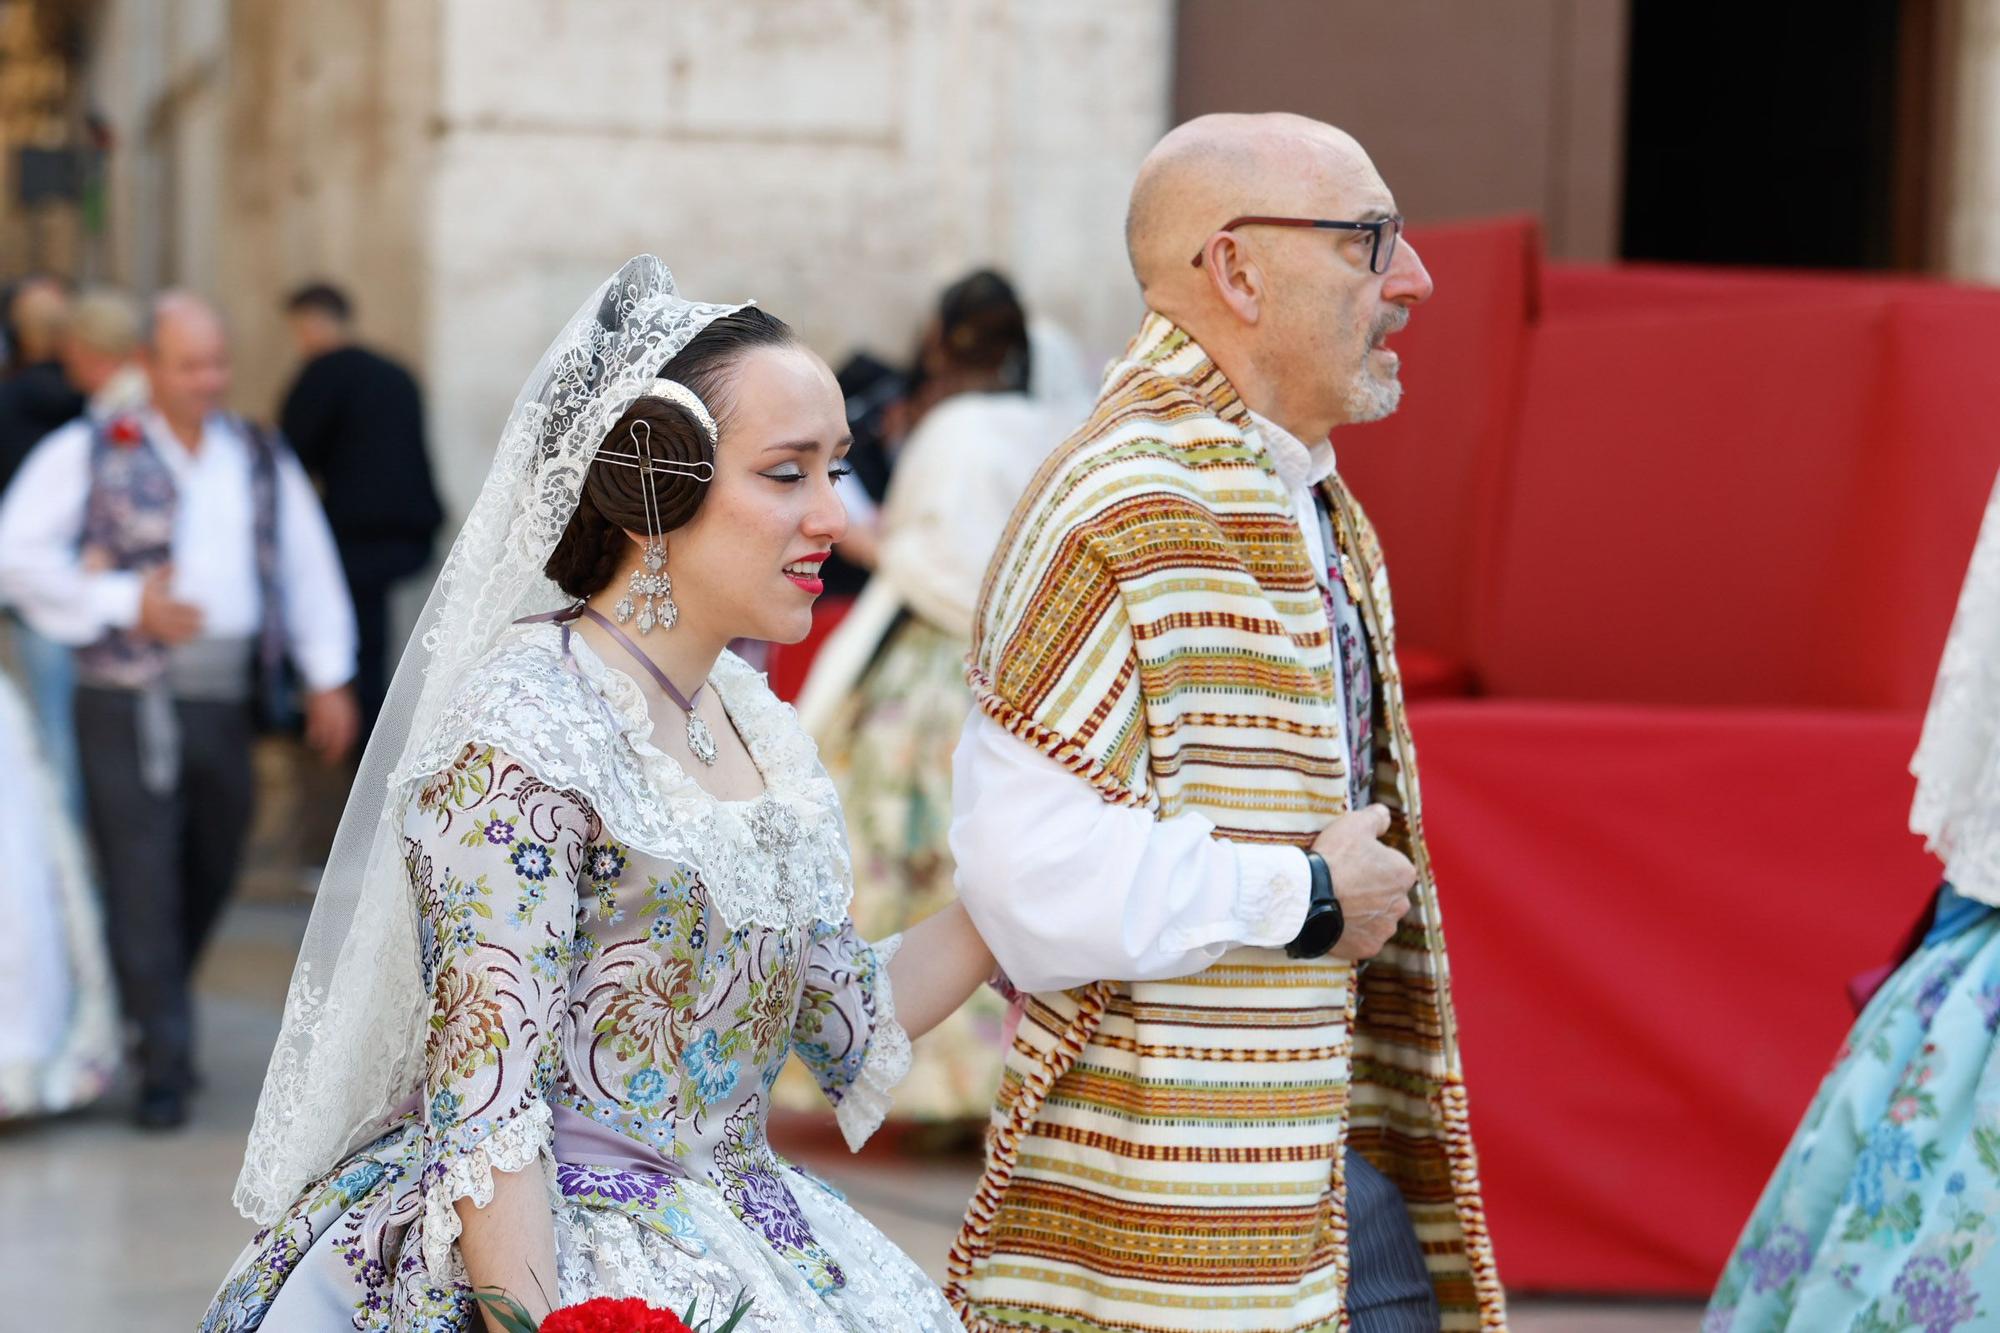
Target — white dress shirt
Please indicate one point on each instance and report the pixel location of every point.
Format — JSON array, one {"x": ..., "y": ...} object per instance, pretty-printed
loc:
[
  {"x": 1067, "y": 889},
  {"x": 214, "y": 549}
]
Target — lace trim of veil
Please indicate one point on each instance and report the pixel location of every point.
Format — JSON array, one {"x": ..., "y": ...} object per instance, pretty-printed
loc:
[
  {"x": 1957, "y": 763},
  {"x": 350, "y": 1052}
]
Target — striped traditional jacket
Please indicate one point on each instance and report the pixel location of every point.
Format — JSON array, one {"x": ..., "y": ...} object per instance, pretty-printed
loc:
[{"x": 1168, "y": 1155}]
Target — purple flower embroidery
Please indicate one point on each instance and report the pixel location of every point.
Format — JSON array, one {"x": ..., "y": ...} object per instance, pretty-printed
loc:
[
  {"x": 764, "y": 1202},
  {"x": 1931, "y": 997},
  {"x": 1935, "y": 1298},
  {"x": 1781, "y": 1257},
  {"x": 499, "y": 832},
  {"x": 1989, "y": 1004},
  {"x": 617, "y": 1187}
]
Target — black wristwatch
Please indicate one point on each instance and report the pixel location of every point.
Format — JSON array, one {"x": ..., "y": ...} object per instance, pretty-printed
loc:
[{"x": 1323, "y": 919}]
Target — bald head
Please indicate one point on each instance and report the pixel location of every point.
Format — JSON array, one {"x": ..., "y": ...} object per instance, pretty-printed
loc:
[
  {"x": 187, "y": 358},
  {"x": 1295, "y": 317},
  {"x": 1214, "y": 168},
  {"x": 177, "y": 314}
]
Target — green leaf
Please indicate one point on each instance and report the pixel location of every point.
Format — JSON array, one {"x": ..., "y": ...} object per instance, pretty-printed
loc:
[
  {"x": 484, "y": 909},
  {"x": 737, "y": 1313},
  {"x": 1986, "y": 1142},
  {"x": 513, "y": 1316}
]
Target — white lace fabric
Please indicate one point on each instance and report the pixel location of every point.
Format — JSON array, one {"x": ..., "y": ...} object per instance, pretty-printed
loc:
[
  {"x": 349, "y": 1053},
  {"x": 777, "y": 861},
  {"x": 1957, "y": 763}
]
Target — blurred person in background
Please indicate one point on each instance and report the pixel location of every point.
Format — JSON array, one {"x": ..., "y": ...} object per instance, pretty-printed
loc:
[
  {"x": 182, "y": 551},
  {"x": 1882, "y": 1213},
  {"x": 100, "y": 353},
  {"x": 100, "y": 361},
  {"x": 58, "y": 1014},
  {"x": 887, "y": 698},
  {"x": 356, "y": 420},
  {"x": 1186, "y": 808},
  {"x": 35, "y": 398}
]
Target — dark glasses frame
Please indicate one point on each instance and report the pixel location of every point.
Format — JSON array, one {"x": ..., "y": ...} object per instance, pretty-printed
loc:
[{"x": 1379, "y": 256}]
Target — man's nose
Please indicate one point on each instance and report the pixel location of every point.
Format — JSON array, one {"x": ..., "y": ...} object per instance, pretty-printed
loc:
[{"x": 1408, "y": 282}]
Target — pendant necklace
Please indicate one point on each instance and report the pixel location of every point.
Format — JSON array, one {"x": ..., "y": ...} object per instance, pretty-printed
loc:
[{"x": 701, "y": 743}]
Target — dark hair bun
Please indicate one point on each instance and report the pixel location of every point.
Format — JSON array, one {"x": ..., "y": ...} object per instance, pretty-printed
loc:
[{"x": 613, "y": 502}]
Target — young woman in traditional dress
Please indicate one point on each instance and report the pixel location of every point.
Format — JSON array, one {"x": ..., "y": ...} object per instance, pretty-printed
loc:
[
  {"x": 592, "y": 886},
  {"x": 1884, "y": 1212}
]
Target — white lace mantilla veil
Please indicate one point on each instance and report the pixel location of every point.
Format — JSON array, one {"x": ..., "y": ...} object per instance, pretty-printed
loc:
[
  {"x": 350, "y": 1052},
  {"x": 1957, "y": 763}
]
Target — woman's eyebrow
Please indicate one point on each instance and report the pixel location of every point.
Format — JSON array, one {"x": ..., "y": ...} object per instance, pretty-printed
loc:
[{"x": 808, "y": 446}]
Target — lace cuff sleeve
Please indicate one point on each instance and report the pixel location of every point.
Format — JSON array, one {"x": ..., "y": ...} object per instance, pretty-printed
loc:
[
  {"x": 847, "y": 1032},
  {"x": 514, "y": 1146},
  {"x": 861, "y": 1112}
]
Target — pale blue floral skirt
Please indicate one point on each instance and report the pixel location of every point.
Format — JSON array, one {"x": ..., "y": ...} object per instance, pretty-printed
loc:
[{"x": 1884, "y": 1212}]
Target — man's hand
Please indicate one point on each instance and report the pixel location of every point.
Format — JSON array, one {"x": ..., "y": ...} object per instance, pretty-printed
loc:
[
  {"x": 1371, "y": 881},
  {"x": 333, "y": 719},
  {"x": 161, "y": 617}
]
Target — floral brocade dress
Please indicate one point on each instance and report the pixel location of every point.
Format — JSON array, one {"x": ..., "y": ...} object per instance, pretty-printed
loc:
[
  {"x": 1884, "y": 1214},
  {"x": 616, "y": 981}
]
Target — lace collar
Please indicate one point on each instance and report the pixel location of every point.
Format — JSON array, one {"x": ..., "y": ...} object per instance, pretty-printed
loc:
[{"x": 778, "y": 860}]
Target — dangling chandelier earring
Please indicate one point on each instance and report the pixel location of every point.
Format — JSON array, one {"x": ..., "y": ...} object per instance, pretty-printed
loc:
[{"x": 651, "y": 585}]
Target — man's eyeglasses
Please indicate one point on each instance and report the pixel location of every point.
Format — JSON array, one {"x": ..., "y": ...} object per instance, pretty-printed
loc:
[{"x": 1383, "y": 234}]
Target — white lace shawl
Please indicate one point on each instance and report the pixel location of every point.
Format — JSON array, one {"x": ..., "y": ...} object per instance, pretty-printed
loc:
[
  {"x": 777, "y": 861},
  {"x": 1957, "y": 763}
]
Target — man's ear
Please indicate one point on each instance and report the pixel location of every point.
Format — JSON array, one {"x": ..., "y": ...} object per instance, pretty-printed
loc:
[{"x": 1234, "y": 276}]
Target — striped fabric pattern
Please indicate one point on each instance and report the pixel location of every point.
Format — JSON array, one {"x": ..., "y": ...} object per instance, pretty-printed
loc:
[{"x": 1168, "y": 1155}]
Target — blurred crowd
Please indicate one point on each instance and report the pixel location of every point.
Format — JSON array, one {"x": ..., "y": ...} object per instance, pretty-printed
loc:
[{"x": 176, "y": 580}]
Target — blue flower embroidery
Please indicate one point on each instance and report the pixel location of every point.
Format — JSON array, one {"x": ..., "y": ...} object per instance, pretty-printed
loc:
[
  {"x": 444, "y": 1109},
  {"x": 607, "y": 862},
  {"x": 532, "y": 861},
  {"x": 646, "y": 1087},
  {"x": 714, "y": 1077}
]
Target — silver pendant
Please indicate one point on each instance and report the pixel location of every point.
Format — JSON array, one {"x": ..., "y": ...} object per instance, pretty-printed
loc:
[{"x": 700, "y": 741}]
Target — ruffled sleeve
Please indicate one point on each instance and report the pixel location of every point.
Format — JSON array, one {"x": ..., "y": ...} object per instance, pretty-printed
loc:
[
  {"x": 846, "y": 1030},
  {"x": 493, "y": 855}
]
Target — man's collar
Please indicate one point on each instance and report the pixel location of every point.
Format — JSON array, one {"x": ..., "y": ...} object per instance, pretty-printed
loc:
[
  {"x": 1299, "y": 465},
  {"x": 1171, "y": 350}
]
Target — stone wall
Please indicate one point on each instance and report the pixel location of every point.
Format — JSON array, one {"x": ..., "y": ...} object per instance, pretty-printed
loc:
[
  {"x": 1972, "y": 176},
  {"x": 838, "y": 162}
]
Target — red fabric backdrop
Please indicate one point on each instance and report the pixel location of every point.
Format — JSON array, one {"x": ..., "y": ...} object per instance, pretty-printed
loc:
[{"x": 1652, "y": 915}]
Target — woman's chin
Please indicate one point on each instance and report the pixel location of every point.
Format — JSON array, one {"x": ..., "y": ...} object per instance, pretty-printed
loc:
[{"x": 793, "y": 629}]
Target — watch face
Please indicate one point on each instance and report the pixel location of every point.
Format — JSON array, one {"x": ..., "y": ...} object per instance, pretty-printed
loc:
[{"x": 1321, "y": 931}]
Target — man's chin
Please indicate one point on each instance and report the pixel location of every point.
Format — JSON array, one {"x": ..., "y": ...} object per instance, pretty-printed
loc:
[{"x": 1373, "y": 397}]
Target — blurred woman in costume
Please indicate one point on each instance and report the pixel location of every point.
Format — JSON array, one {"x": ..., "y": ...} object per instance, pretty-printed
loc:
[
  {"x": 887, "y": 698},
  {"x": 58, "y": 1016}
]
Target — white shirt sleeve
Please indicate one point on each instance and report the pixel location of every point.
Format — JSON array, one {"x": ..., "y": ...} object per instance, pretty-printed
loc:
[
  {"x": 41, "y": 531},
  {"x": 1067, "y": 889},
  {"x": 318, "y": 613}
]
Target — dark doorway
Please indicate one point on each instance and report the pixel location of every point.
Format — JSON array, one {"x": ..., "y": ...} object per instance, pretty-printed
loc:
[{"x": 1787, "y": 133}]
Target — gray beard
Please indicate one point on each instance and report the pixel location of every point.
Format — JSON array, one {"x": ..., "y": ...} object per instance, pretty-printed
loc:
[{"x": 1370, "y": 397}]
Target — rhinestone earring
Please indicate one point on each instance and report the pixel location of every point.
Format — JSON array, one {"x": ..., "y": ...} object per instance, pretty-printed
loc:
[{"x": 651, "y": 584}]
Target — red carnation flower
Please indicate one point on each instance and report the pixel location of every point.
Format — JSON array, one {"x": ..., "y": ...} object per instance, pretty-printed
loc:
[
  {"x": 125, "y": 433},
  {"x": 602, "y": 1314}
]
